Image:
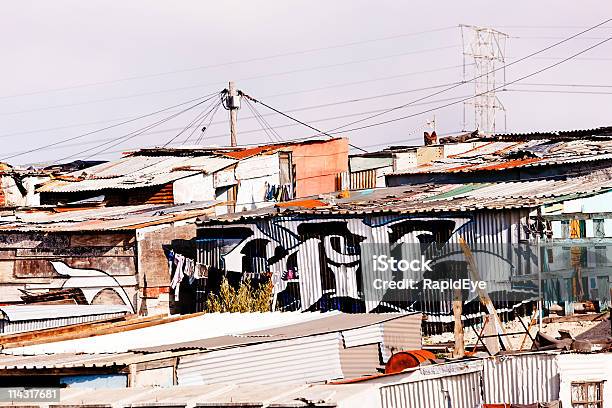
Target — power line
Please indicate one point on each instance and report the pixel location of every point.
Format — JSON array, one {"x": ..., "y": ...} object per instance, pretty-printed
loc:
[
  {"x": 205, "y": 113},
  {"x": 200, "y": 138},
  {"x": 225, "y": 135},
  {"x": 565, "y": 85},
  {"x": 477, "y": 77},
  {"x": 298, "y": 121},
  {"x": 270, "y": 75},
  {"x": 471, "y": 97},
  {"x": 558, "y": 91},
  {"x": 211, "y": 112},
  {"x": 334, "y": 131},
  {"x": 353, "y": 100},
  {"x": 135, "y": 133},
  {"x": 99, "y": 130},
  {"x": 250, "y": 60},
  {"x": 268, "y": 130}
]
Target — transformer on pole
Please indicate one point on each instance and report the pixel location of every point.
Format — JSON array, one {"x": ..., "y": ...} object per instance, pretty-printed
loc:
[{"x": 483, "y": 52}]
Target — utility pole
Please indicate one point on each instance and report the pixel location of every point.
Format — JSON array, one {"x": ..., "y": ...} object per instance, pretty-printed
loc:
[
  {"x": 232, "y": 104},
  {"x": 485, "y": 48}
]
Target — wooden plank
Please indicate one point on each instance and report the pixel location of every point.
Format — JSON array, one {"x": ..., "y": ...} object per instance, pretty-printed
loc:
[
  {"x": 7, "y": 254},
  {"x": 33, "y": 240},
  {"x": 483, "y": 295},
  {"x": 103, "y": 240},
  {"x": 116, "y": 266},
  {"x": 52, "y": 253},
  {"x": 6, "y": 272},
  {"x": 79, "y": 331},
  {"x": 459, "y": 348}
]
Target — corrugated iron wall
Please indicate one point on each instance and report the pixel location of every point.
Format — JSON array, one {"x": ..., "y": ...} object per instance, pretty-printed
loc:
[
  {"x": 360, "y": 360},
  {"x": 585, "y": 367},
  {"x": 457, "y": 391},
  {"x": 521, "y": 379},
  {"x": 517, "y": 379},
  {"x": 362, "y": 180},
  {"x": 33, "y": 325},
  {"x": 307, "y": 359},
  {"x": 401, "y": 334},
  {"x": 303, "y": 242}
]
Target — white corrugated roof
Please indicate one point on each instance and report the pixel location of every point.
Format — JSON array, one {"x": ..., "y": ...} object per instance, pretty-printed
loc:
[
  {"x": 41, "y": 312},
  {"x": 195, "y": 328},
  {"x": 137, "y": 171}
]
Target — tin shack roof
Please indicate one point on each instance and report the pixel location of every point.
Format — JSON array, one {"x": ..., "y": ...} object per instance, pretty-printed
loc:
[
  {"x": 521, "y": 150},
  {"x": 435, "y": 198},
  {"x": 125, "y": 218},
  {"x": 40, "y": 312},
  {"x": 159, "y": 166}
]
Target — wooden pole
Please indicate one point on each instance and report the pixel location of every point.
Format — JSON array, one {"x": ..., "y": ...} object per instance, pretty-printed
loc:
[
  {"x": 459, "y": 349},
  {"x": 484, "y": 296},
  {"x": 232, "y": 97}
]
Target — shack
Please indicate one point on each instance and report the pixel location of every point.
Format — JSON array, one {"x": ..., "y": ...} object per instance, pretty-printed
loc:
[
  {"x": 313, "y": 249},
  {"x": 240, "y": 178}
]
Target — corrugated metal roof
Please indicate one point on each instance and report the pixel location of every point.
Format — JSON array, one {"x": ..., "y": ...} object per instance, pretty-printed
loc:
[
  {"x": 102, "y": 218},
  {"x": 499, "y": 155},
  {"x": 76, "y": 360},
  {"x": 40, "y": 312},
  {"x": 136, "y": 171},
  {"x": 230, "y": 395},
  {"x": 353, "y": 324},
  {"x": 197, "y": 328},
  {"x": 436, "y": 198},
  {"x": 300, "y": 360}
]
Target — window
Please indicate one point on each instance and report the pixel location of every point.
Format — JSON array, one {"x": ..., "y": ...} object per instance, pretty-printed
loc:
[
  {"x": 565, "y": 229},
  {"x": 598, "y": 228},
  {"x": 587, "y": 394},
  {"x": 600, "y": 256}
]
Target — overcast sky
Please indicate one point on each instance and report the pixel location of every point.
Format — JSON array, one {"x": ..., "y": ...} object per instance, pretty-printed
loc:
[{"x": 71, "y": 67}]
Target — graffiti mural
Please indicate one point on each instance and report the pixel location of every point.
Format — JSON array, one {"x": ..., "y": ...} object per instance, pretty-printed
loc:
[
  {"x": 316, "y": 263},
  {"x": 92, "y": 283}
]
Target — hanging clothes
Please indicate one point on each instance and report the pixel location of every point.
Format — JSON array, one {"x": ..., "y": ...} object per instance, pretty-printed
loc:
[
  {"x": 286, "y": 196},
  {"x": 190, "y": 269},
  {"x": 178, "y": 274},
  {"x": 266, "y": 191},
  {"x": 200, "y": 271},
  {"x": 170, "y": 256}
]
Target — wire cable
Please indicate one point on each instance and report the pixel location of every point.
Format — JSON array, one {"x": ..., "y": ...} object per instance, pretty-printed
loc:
[
  {"x": 132, "y": 134},
  {"x": 165, "y": 131},
  {"x": 480, "y": 94},
  {"x": 209, "y": 108},
  {"x": 263, "y": 127},
  {"x": 256, "y": 59},
  {"x": 272, "y": 135},
  {"x": 215, "y": 105},
  {"x": 479, "y": 76},
  {"x": 299, "y": 121},
  {"x": 216, "y": 83},
  {"x": 268, "y": 96},
  {"x": 201, "y": 137},
  {"x": 98, "y": 130}
]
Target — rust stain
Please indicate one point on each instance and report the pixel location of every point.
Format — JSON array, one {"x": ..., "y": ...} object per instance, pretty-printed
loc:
[
  {"x": 468, "y": 151},
  {"x": 459, "y": 168},
  {"x": 309, "y": 203},
  {"x": 254, "y": 151},
  {"x": 510, "y": 164}
]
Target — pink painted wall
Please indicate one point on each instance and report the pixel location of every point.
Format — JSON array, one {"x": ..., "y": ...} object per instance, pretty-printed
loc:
[{"x": 317, "y": 165}]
